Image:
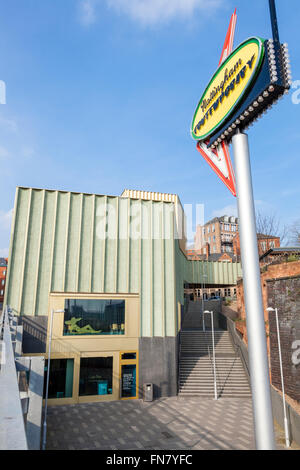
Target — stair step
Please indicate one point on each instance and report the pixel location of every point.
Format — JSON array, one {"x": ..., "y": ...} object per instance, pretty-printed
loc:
[
  {"x": 196, "y": 363},
  {"x": 228, "y": 390}
]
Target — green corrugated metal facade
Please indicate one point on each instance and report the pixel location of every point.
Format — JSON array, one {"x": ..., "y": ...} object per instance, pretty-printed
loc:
[{"x": 58, "y": 244}]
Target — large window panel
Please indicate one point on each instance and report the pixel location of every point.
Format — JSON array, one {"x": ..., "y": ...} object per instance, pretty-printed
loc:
[
  {"x": 60, "y": 378},
  {"x": 94, "y": 317},
  {"x": 96, "y": 376}
]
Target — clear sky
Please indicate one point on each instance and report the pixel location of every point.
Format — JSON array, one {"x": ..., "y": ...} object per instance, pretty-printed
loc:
[{"x": 100, "y": 95}]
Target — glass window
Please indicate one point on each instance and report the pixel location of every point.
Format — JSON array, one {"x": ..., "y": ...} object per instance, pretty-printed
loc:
[
  {"x": 263, "y": 245},
  {"x": 128, "y": 356},
  {"x": 128, "y": 389},
  {"x": 60, "y": 378},
  {"x": 95, "y": 376},
  {"x": 208, "y": 229},
  {"x": 94, "y": 317},
  {"x": 2, "y": 292}
]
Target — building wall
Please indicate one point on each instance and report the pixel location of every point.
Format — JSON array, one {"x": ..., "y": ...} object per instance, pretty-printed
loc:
[
  {"x": 76, "y": 347},
  {"x": 276, "y": 271},
  {"x": 74, "y": 245},
  {"x": 285, "y": 295},
  {"x": 3, "y": 276},
  {"x": 280, "y": 289},
  {"x": 58, "y": 244},
  {"x": 263, "y": 244},
  {"x": 216, "y": 233}
]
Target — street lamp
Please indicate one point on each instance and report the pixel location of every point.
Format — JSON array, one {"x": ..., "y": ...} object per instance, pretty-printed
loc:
[
  {"x": 286, "y": 428},
  {"x": 213, "y": 345},
  {"x": 48, "y": 376}
]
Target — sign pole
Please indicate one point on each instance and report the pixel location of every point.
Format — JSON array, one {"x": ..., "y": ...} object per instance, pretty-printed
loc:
[
  {"x": 274, "y": 21},
  {"x": 257, "y": 344}
]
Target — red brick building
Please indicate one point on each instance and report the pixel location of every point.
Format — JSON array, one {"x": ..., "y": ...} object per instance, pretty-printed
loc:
[
  {"x": 264, "y": 243},
  {"x": 3, "y": 272}
]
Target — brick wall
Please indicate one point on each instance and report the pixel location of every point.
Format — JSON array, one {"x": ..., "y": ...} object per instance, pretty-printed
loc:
[
  {"x": 280, "y": 288},
  {"x": 285, "y": 295},
  {"x": 263, "y": 243}
]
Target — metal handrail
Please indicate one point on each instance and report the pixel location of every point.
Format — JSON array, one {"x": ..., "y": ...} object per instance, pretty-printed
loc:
[
  {"x": 179, "y": 356},
  {"x": 237, "y": 346},
  {"x": 214, "y": 363}
]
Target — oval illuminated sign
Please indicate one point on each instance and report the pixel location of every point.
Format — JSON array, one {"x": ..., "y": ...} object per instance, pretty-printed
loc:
[{"x": 227, "y": 88}]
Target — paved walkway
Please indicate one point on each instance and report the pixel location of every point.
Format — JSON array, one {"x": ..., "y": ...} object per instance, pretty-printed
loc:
[{"x": 165, "y": 424}]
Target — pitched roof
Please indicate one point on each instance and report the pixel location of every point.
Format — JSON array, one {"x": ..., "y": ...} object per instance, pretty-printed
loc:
[
  {"x": 281, "y": 250},
  {"x": 262, "y": 235}
]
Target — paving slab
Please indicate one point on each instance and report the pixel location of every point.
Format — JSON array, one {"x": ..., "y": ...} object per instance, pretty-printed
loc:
[{"x": 174, "y": 423}]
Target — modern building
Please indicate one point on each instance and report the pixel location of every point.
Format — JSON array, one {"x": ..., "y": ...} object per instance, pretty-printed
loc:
[
  {"x": 111, "y": 272},
  {"x": 216, "y": 236},
  {"x": 3, "y": 271}
]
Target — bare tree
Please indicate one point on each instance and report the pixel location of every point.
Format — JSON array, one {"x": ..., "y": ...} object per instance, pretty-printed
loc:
[
  {"x": 294, "y": 233},
  {"x": 270, "y": 224}
]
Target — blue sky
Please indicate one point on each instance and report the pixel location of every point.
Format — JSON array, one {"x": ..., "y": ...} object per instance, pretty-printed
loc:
[{"x": 100, "y": 95}]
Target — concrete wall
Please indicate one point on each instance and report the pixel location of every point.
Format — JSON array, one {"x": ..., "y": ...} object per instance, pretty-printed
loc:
[
  {"x": 34, "y": 334},
  {"x": 158, "y": 359},
  {"x": 292, "y": 416}
]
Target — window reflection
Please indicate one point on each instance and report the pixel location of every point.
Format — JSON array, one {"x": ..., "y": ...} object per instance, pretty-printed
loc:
[
  {"x": 95, "y": 376},
  {"x": 60, "y": 378},
  {"x": 94, "y": 317}
]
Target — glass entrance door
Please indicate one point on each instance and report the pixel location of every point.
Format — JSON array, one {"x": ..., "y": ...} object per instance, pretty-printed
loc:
[
  {"x": 128, "y": 375},
  {"x": 128, "y": 378}
]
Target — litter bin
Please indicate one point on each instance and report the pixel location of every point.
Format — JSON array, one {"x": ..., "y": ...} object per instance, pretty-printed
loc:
[{"x": 148, "y": 392}]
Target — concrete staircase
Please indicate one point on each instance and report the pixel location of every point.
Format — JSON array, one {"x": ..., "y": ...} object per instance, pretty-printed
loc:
[{"x": 196, "y": 363}]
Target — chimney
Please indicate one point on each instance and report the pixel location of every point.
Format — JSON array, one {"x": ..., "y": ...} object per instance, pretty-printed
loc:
[{"x": 207, "y": 250}]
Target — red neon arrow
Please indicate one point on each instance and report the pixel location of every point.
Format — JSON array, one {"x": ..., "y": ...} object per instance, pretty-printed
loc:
[{"x": 221, "y": 156}]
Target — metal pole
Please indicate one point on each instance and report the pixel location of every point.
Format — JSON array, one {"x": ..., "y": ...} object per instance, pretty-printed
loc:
[
  {"x": 47, "y": 384},
  {"x": 203, "y": 323},
  {"x": 257, "y": 344},
  {"x": 274, "y": 21},
  {"x": 286, "y": 428},
  {"x": 214, "y": 356},
  {"x": 203, "y": 286}
]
